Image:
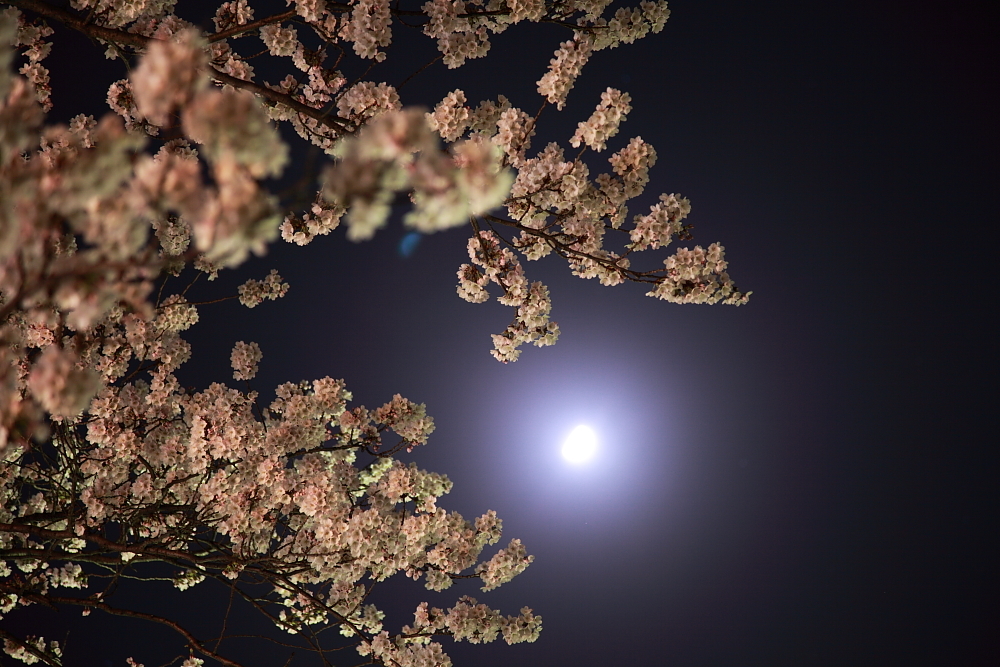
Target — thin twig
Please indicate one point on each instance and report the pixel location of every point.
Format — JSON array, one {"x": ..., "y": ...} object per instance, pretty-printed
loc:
[
  {"x": 240, "y": 30},
  {"x": 141, "y": 42}
]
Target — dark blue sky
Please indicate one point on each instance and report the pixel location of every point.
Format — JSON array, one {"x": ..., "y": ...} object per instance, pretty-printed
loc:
[{"x": 806, "y": 480}]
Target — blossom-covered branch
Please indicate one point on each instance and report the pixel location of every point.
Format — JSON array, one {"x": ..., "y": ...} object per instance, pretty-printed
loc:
[{"x": 111, "y": 471}]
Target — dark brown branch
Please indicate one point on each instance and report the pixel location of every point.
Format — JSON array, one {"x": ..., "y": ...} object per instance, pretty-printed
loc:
[
  {"x": 41, "y": 655},
  {"x": 193, "y": 643},
  {"x": 564, "y": 249},
  {"x": 81, "y": 25},
  {"x": 247, "y": 27},
  {"x": 96, "y": 539},
  {"x": 407, "y": 79},
  {"x": 280, "y": 98},
  {"x": 140, "y": 42}
]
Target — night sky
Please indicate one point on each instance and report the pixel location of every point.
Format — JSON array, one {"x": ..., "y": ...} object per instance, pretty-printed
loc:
[{"x": 805, "y": 480}]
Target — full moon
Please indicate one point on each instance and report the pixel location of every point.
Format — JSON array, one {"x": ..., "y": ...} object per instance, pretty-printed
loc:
[{"x": 580, "y": 444}]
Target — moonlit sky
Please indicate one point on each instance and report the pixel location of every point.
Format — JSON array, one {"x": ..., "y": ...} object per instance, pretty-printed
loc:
[{"x": 806, "y": 480}]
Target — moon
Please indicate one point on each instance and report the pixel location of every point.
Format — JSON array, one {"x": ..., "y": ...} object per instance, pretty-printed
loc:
[{"x": 580, "y": 445}]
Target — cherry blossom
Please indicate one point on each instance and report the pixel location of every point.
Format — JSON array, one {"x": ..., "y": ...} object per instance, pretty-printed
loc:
[
  {"x": 254, "y": 292},
  {"x": 564, "y": 69},
  {"x": 603, "y": 123},
  {"x": 245, "y": 358},
  {"x": 110, "y": 468}
]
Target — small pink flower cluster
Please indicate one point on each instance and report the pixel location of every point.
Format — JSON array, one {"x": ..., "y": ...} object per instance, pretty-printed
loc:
[
  {"x": 603, "y": 123},
  {"x": 368, "y": 28},
  {"x": 244, "y": 359},
  {"x": 253, "y": 292},
  {"x": 499, "y": 265},
  {"x": 698, "y": 276},
  {"x": 397, "y": 152}
]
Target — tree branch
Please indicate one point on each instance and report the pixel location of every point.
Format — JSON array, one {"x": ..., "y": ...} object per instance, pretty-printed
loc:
[
  {"x": 141, "y": 41},
  {"x": 41, "y": 655},
  {"x": 564, "y": 249},
  {"x": 239, "y": 30},
  {"x": 281, "y": 98},
  {"x": 193, "y": 643},
  {"x": 81, "y": 25}
]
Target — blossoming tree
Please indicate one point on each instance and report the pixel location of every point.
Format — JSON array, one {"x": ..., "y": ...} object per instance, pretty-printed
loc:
[{"x": 109, "y": 469}]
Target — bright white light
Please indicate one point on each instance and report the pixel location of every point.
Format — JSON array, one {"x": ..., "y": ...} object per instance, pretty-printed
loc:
[{"x": 580, "y": 444}]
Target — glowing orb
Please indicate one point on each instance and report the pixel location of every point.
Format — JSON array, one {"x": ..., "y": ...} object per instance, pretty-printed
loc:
[{"x": 580, "y": 444}]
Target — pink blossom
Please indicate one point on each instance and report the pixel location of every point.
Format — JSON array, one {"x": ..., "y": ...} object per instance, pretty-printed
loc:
[{"x": 169, "y": 76}]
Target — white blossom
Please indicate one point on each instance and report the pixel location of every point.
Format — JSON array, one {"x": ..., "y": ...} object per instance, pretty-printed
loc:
[
  {"x": 530, "y": 10},
  {"x": 514, "y": 131},
  {"x": 661, "y": 224},
  {"x": 176, "y": 314},
  {"x": 564, "y": 68},
  {"x": 233, "y": 126},
  {"x": 368, "y": 28},
  {"x": 630, "y": 24},
  {"x": 310, "y": 10},
  {"x": 471, "y": 284},
  {"x": 504, "y": 566},
  {"x": 458, "y": 47},
  {"x": 253, "y": 292},
  {"x": 450, "y": 118},
  {"x": 322, "y": 218},
  {"x": 603, "y": 123},
  {"x": 244, "y": 359},
  {"x": 169, "y": 76},
  {"x": 368, "y": 100},
  {"x": 698, "y": 276},
  {"x": 632, "y": 163},
  {"x": 279, "y": 41},
  {"x": 484, "y": 118},
  {"x": 60, "y": 382},
  {"x": 231, "y": 14}
]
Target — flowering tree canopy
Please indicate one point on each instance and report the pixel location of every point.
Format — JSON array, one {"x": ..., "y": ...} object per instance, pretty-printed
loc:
[{"x": 109, "y": 469}]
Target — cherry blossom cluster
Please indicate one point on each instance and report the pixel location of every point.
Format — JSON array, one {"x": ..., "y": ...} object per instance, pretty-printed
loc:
[
  {"x": 244, "y": 359},
  {"x": 322, "y": 218},
  {"x": 661, "y": 224},
  {"x": 461, "y": 29},
  {"x": 594, "y": 34},
  {"x": 89, "y": 223},
  {"x": 253, "y": 292},
  {"x": 697, "y": 276},
  {"x": 466, "y": 620},
  {"x": 493, "y": 263},
  {"x": 558, "y": 207},
  {"x": 304, "y": 493},
  {"x": 504, "y": 566},
  {"x": 564, "y": 69},
  {"x": 451, "y": 118},
  {"x": 101, "y": 219},
  {"x": 29, "y": 38},
  {"x": 284, "y": 492},
  {"x": 603, "y": 123},
  {"x": 397, "y": 152},
  {"x": 32, "y": 650},
  {"x": 368, "y": 28},
  {"x": 366, "y": 187}
]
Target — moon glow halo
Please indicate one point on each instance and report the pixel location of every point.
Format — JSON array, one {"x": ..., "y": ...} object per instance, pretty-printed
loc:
[{"x": 580, "y": 445}]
